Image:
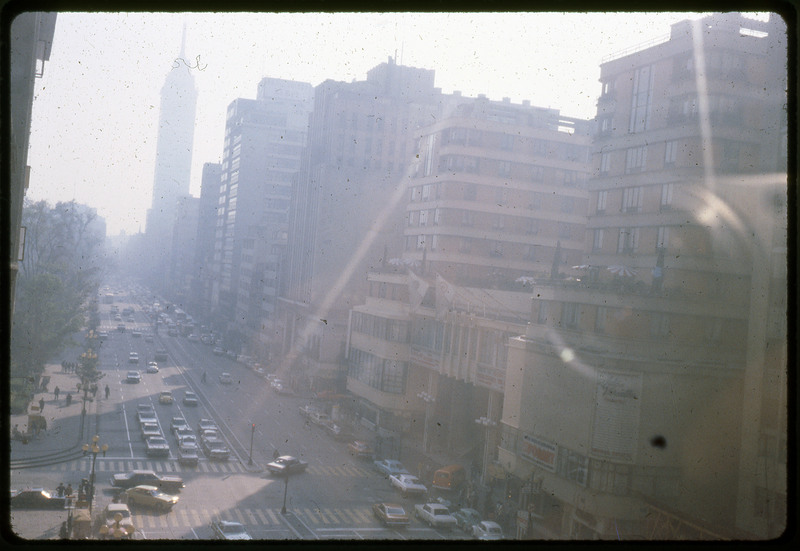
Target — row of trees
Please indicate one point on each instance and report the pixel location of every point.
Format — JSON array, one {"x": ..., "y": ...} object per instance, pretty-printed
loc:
[{"x": 60, "y": 274}]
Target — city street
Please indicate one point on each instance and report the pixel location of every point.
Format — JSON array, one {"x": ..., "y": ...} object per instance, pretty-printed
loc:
[{"x": 332, "y": 499}]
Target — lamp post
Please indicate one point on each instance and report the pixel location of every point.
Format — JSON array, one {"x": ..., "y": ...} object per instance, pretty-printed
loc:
[
  {"x": 488, "y": 423},
  {"x": 428, "y": 399},
  {"x": 94, "y": 449},
  {"x": 285, "y": 491}
]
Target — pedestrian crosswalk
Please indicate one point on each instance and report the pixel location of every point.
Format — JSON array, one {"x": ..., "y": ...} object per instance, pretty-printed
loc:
[
  {"x": 181, "y": 517},
  {"x": 111, "y": 465}
]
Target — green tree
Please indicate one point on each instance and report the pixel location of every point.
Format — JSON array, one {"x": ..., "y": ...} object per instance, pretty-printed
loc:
[{"x": 60, "y": 273}]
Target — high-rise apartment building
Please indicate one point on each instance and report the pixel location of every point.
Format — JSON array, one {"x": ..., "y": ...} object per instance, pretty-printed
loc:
[
  {"x": 647, "y": 400},
  {"x": 362, "y": 138},
  {"x": 264, "y": 139},
  {"x": 200, "y": 290},
  {"x": 495, "y": 199}
]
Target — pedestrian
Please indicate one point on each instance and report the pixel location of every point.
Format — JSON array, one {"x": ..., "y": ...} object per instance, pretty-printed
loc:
[
  {"x": 63, "y": 532},
  {"x": 41, "y": 404},
  {"x": 107, "y": 392},
  {"x": 69, "y": 398},
  {"x": 203, "y": 378},
  {"x": 93, "y": 390},
  {"x": 56, "y": 391},
  {"x": 276, "y": 454},
  {"x": 63, "y": 366},
  {"x": 60, "y": 489},
  {"x": 68, "y": 491}
]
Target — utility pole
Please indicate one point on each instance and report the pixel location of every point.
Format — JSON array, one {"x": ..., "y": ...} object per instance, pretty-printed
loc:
[{"x": 252, "y": 433}]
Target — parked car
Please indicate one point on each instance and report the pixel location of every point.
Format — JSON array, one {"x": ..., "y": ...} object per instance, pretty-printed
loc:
[
  {"x": 390, "y": 514},
  {"x": 434, "y": 515},
  {"x": 336, "y": 431},
  {"x": 487, "y": 530},
  {"x": 407, "y": 484},
  {"x": 152, "y": 367},
  {"x": 150, "y": 429},
  {"x": 133, "y": 377},
  {"x": 150, "y": 497},
  {"x": 307, "y": 410},
  {"x": 286, "y": 464},
  {"x": 189, "y": 398},
  {"x": 110, "y": 525},
  {"x": 156, "y": 446},
  {"x": 229, "y": 530},
  {"x": 318, "y": 417},
  {"x": 360, "y": 449},
  {"x": 187, "y": 455},
  {"x": 165, "y": 397},
  {"x": 283, "y": 389},
  {"x": 226, "y": 378},
  {"x": 36, "y": 498},
  {"x": 390, "y": 467},
  {"x": 165, "y": 483},
  {"x": 466, "y": 518},
  {"x": 133, "y": 358}
]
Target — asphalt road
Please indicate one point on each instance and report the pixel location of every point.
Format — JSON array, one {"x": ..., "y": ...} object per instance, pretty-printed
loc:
[{"x": 331, "y": 500}]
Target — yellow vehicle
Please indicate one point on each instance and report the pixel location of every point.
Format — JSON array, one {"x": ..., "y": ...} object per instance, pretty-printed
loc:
[
  {"x": 150, "y": 497},
  {"x": 449, "y": 478}
]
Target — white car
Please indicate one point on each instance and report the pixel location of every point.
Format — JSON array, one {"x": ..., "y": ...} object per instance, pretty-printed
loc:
[
  {"x": 229, "y": 530},
  {"x": 225, "y": 378},
  {"x": 133, "y": 358},
  {"x": 152, "y": 367},
  {"x": 487, "y": 530},
  {"x": 435, "y": 515},
  {"x": 407, "y": 484},
  {"x": 133, "y": 377}
]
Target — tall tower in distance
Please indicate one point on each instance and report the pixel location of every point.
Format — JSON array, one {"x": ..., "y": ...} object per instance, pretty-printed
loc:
[{"x": 173, "y": 151}]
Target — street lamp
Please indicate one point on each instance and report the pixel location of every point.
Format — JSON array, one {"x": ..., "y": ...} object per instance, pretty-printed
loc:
[
  {"x": 87, "y": 359},
  {"x": 488, "y": 423},
  {"x": 94, "y": 449},
  {"x": 285, "y": 491},
  {"x": 428, "y": 399}
]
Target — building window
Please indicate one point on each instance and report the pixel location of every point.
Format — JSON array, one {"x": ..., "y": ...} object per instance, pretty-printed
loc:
[
  {"x": 536, "y": 201},
  {"x": 498, "y": 222},
  {"x": 567, "y": 204},
  {"x": 635, "y": 159},
  {"x": 423, "y": 218},
  {"x": 666, "y": 196},
  {"x": 412, "y": 218},
  {"x": 434, "y": 242},
  {"x": 642, "y": 99},
  {"x": 605, "y": 163},
  {"x": 564, "y": 230},
  {"x": 465, "y": 245},
  {"x": 662, "y": 240},
  {"x": 420, "y": 242},
  {"x": 632, "y": 199},
  {"x": 628, "y": 241},
  {"x": 470, "y": 192},
  {"x": 602, "y": 198},
  {"x": 532, "y": 226},
  {"x": 569, "y": 315},
  {"x": 416, "y": 193},
  {"x": 426, "y": 192},
  {"x": 600, "y": 320},
  {"x": 714, "y": 330},
  {"x": 530, "y": 252},
  {"x": 597, "y": 241},
  {"x": 507, "y": 142},
  {"x": 437, "y": 217},
  {"x": 670, "y": 153},
  {"x": 542, "y": 316},
  {"x": 604, "y": 125},
  {"x": 504, "y": 169},
  {"x": 497, "y": 249},
  {"x": 501, "y": 196},
  {"x": 467, "y": 218},
  {"x": 537, "y": 173}
]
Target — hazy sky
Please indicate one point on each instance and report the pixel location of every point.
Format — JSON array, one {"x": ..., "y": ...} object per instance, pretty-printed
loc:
[{"x": 95, "y": 113}]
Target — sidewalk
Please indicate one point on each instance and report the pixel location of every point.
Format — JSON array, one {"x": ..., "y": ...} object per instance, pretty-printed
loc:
[{"x": 63, "y": 422}]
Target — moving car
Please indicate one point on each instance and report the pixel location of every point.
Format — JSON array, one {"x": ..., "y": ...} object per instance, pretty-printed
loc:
[
  {"x": 435, "y": 515},
  {"x": 286, "y": 464},
  {"x": 165, "y": 397},
  {"x": 133, "y": 377},
  {"x": 318, "y": 417},
  {"x": 390, "y": 514},
  {"x": 206, "y": 424},
  {"x": 117, "y": 517},
  {"x": 36, "y": 498},
  {"x": 136, "y": 334},
  {"x": 177, "y": 422},
  {"x": 218, "y": 351},
  {"x": 225, "y": 378},
  {"x": 151, "y": 497},
  {"x": 407, "y": 484},
  {"x": 487, "y": 530},
  {"x": 156, "y": 446},
  {"x": 160, "y": 355},
  {"x": 146, "y": 414},
  {"x": 360, "y": 449},
  {"x": 188, "y": 441},
  {"x": 133, "y": 358},
  {"x": 390, "y": 467},
  {"x": 152, "y": 367},
  {"x": 189, "y": 398},
  {"x": 150, "y": 478},
  {"x": 215, "y": 449},
  {"x": 229, "y": 530},
  {"x": 121, "y": 327},
  {"x": 466, "y": 518},
  {"x": 148, "y": 338},
  {"x": 182, "y": 432}
]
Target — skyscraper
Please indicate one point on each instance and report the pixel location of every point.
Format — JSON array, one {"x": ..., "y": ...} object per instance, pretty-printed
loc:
[{"x": 173, "y": 153}]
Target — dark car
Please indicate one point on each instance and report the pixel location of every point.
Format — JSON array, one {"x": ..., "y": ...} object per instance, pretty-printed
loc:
[
  {"x": 286, "y": 464},
  {"x": 149, "y": 478},
  {"x": 36, "y": 498}
]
